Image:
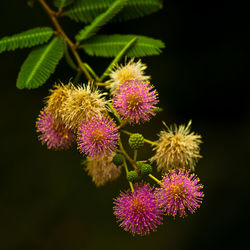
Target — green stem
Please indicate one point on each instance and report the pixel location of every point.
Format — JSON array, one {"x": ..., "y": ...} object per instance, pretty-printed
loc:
[
  {"x": 142, "y": 161},
  {"x": 150, "y": 142},
  {"x": 126, "y": 169},
  {"x": 126, "y": 154},
  {"x": 91, "y": 71},
  {"x": 135, "y": 155},
  {"x": 155, "y": 179},
  {"x": 117, "y": 58},
  {"x": 114, "y": 112},
  {"x": 102, "y": 83},
  {"x": 68, "y": 59},
  {"x": 123, "y": 123},
  {"x": 126, "y": 132}
]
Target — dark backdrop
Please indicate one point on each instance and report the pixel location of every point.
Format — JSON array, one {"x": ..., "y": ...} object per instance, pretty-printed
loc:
[{"x": 48, "y": 201}]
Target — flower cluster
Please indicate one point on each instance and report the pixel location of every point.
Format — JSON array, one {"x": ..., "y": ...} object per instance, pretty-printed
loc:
[
  {"x": 142, "y": 210},
  {"x": 84, "y": 115}
]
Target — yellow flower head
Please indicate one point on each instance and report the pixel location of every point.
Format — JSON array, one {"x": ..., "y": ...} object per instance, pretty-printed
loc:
[
  {"x": 177, "y": 148},
  {"x": 102, "y": 170},
  {"x": 130, "y": 71},
  {"x": 82, "y": 103},
  {"x": 56, "y": 100}
]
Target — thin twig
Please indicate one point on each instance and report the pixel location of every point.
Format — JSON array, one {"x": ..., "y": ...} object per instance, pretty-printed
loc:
[
  {"x": 126, "y": 169},
  {"x": 52, "y": 14},
  {"x": 126, "y": 154},
  {"x": 155, "y": 179},
  {"x": 135, "y": 155}
]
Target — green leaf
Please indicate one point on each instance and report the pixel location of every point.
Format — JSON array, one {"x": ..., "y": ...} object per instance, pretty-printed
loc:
[
  {"x": 40, "y": 64},
  {"x": 62, "y": 3},
  {"x": 118, "y": 58},
  {"x": 111, "y": 45},
  {"x": 87, "y": 10},
  {"x": 101, "y": 20},
  {"x": 26, "y": 39}
]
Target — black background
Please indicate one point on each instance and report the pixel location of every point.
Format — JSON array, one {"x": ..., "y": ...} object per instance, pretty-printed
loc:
[{"x": 48, "y": 202}]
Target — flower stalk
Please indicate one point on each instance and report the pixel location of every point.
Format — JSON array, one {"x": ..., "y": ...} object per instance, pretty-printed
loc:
[
  {"x": 155, "y": 179},
  {"x": 130, "y": 183}
]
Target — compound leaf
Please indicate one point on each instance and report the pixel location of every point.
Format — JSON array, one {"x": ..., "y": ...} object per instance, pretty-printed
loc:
[
  {"x": 100, "y": 20},
  {"x": 26, "y": 39},
  {"x": 40, "y": 64},
  {"x": 87, "y": 10},
  {"x": 111, "y": 45}
]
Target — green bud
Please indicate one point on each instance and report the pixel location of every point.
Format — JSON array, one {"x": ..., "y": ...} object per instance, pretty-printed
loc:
[
  {"x": 136, "y": 141},
  {"x": 118, "y": 159},
  {"x": 146, "y": 169},
  {"x": 132, "y": 176},
  {"x": 139, "y": 164}
]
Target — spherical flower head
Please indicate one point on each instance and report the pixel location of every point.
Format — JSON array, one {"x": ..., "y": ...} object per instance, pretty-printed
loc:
[
  {"x": 102, "y": 170},
  {"x": 56, "y": 100},
  {"x": 53, "y": 132},
  {"x": 145, "y": 169},
  {"x": 136, "y": 141},
  {"x": 83, "y": 102},
  {"x": 130, "y": 71},
  {"x": 180, "y": 191},
  {"x": 118, "y": 159},
  {"x": 138, "y": 211},
  {"x": 97, "y": 137},
  {"x": 177, "y": 148},
  {"x": 135, "y": 101},
  {"x": 132, "y": 176}
]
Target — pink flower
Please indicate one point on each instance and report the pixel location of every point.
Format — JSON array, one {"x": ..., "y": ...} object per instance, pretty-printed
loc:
[
  {"x": 97, "y": 137},
  {"x": 53, "y": 132},
  {"x": 135, "y": 101},
  {"x": 138, "y": 212},
  {"x": 179, "y": 191}
]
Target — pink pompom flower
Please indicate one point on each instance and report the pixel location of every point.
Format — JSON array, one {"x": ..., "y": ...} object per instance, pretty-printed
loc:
[
  {"x": 138, "y": 211},
  {"x": 97, "y": 137},
  {"x": 53, "y": 132},
  {"x": 180, "y": 191},
  {"x": 135, "y": 101}
]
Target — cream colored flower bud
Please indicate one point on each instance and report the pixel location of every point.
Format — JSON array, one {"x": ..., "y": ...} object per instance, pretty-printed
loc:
[
  {"x": 56, "y": 100},
  {"x": 102, "y": 170},
  {"x": 130, "y": 71},
  {"x": 177, "y": 148},
  {"x": 75, "y": 104},
  {"x": 85, "y": 101}
]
